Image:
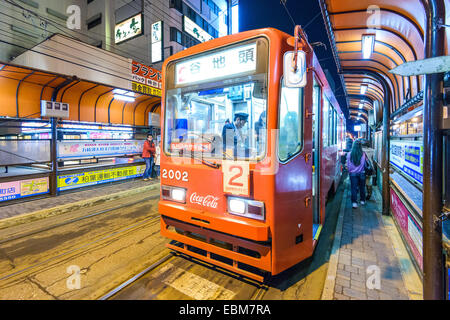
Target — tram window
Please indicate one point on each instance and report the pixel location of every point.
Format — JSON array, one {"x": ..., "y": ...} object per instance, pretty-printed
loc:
[
  {"x": 195, "y": 121},
  {"x": 325, "y": 124},
  {"x": 291, "y": 111}
]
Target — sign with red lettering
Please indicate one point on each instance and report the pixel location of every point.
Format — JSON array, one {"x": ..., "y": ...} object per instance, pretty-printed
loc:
[
  {"x": 197, "y": 147},
  {"x": 236, "y": 177},
  {"x": 146, "y": 75}
]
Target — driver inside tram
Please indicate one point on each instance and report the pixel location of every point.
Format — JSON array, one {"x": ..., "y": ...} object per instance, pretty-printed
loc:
[{"x": 232, "y": 136}]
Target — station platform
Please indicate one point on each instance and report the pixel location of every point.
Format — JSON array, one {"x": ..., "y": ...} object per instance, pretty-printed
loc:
[
  {"x": 71, "y": 200},
  {"x": 368, "y": 260}
]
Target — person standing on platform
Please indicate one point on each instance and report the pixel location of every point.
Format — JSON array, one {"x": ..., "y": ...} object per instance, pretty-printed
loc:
[
  {"x": 356, "y": 160},
  {"x": 148, "y": 154}
]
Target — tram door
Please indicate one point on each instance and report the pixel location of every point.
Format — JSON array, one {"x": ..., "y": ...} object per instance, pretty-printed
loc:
[{"x": 317, "y": 96}]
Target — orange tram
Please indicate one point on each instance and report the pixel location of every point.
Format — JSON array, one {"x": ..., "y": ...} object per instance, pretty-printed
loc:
[{"x": 251, "y": 139}]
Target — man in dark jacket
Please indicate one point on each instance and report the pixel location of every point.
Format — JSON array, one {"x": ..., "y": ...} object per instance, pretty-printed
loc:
[
  {"x": 148, "y": 154},
  {"x": 231, "y": 133}
]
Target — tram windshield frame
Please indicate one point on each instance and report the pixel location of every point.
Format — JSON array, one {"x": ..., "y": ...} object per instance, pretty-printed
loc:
[{"x": 198, "y": 109}]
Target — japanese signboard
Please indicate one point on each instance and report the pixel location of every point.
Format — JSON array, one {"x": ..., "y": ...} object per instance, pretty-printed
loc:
[
  {"x": 128, "y": 29},
  {"x": 142, "y": 88},
  {"x": 411, "y": 230},
  {"x": 77, "y": 149},
  {"x": 88, "y": 178},
  {"x": 194, "y": 30},
  {"x": 408, "y": 157},
  {"x": 224, "y": 63},
  {"x": 146, "y": 77},
  {"x": 157, "y": 42},
  {"x": 23, "y": 188}
]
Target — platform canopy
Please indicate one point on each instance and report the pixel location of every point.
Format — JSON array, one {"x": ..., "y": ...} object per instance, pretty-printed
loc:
[
  {"x": 376, "y": 36},
  {"x": 88, "y": 78}
]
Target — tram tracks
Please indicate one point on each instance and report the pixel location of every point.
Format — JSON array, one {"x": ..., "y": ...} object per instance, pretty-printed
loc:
[
  {"x": 106, "y": 244},
  {"x": 54, "y": 226},
  {"x": 166, "y": 272}
]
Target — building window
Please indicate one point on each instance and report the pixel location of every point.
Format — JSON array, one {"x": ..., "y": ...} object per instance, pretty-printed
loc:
[
  {"x": 182, "y": 38},
  {"x": 94, "y": 21},
  {"x": 89, "y": 1}
]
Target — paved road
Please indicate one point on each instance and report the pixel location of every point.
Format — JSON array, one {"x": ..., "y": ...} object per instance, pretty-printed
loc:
[
  {"x": 112, "y": 242},
  {"x": 39, "y": 260}
]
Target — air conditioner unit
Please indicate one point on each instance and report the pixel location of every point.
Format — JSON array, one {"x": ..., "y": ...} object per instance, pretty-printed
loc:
[{"x": 54, "y": 109}]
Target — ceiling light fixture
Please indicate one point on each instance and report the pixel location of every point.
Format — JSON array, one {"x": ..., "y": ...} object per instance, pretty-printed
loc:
[{"x": 368, "y": 44}]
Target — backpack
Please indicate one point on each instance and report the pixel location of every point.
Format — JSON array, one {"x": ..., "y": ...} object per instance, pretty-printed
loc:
[{"x": 368, "y": 167}]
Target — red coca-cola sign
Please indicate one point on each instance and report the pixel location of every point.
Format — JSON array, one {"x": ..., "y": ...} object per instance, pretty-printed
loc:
[{"x": 205, "y": 201}]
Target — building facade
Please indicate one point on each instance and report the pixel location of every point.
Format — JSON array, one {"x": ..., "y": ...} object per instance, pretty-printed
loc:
[{"x": 148, "y": 31}]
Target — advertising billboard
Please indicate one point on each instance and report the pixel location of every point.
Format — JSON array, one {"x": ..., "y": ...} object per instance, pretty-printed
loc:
[
  {"x": 89, "y": 178},
  {"x": 23, "y": 188},
  {"x": 407, "y": 155}
]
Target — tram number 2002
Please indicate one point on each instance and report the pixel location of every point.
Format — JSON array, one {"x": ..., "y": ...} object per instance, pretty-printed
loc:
[{"x": 177, "y": 175}]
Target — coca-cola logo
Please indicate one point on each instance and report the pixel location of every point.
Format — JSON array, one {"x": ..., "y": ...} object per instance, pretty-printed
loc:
[{"x": 206, "y": 201}]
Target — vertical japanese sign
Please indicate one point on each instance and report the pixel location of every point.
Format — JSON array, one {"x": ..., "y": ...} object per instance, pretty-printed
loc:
[
  {"x": 157, "y": 42},
  {"x": 145, "y": 79}
]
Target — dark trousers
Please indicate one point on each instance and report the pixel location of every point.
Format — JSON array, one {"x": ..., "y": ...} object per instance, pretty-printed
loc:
[
  {"x": 358, "y": 181},
  {"x": 148, "y": 167}
]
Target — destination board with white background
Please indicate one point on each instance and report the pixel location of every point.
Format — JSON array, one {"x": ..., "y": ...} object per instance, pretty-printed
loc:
[
  {"x": 224, "y": 63},
  {"x": 194, "y": 30}
]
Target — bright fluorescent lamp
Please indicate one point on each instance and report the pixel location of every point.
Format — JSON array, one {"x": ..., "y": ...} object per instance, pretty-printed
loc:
[
  {"x": 361, "y": 105},
  {"x": 368, "y": 44},
  {"x": 124, "y": 98},
  {"x": 364, "y": 88}
]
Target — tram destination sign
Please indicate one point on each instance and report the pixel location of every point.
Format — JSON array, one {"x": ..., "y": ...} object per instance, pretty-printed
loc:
[{"x": 225, "y": 63}]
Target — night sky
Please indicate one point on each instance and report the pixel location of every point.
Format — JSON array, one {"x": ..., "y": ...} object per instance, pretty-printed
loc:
[{"x": 256, "y": 14}]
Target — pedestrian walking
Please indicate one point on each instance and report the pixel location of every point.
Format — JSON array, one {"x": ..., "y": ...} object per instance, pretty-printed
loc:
[
  {"x": 148, "y": 154},
  {"x": 356, "y": 162}
]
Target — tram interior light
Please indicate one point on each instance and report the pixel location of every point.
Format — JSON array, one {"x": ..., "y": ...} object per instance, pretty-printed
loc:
[
  {"x": 368, "y": 44},
  {"x": 364, "y": 88}
]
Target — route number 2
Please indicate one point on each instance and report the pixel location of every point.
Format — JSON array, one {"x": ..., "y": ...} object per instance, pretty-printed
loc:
[{"x": 236, "y": 177}]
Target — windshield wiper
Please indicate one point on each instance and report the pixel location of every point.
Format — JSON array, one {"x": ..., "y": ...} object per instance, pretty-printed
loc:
[{"x": 205, "y": 162}]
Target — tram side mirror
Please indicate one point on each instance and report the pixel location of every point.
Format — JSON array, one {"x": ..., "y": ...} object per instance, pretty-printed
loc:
[{"x": 297, "y": 78}]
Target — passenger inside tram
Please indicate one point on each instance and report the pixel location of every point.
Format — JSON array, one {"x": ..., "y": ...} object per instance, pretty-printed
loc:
[{"x": 196, "y": 121}]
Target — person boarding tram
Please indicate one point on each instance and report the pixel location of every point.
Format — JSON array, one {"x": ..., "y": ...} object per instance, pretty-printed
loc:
[{"x": 148, "y": 154}]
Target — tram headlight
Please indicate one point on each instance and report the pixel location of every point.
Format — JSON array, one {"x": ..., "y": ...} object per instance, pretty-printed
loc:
[
  {"x": 173, "y": 194},
  {"x": 246, "y": 208}
]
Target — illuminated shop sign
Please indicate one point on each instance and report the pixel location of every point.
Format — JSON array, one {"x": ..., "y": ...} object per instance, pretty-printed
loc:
[
  {"x": 76, "y": 149},
  {"x": 146, "y": 76},
  {"x": 89, "y": 178},
  {"x": 194, "y": 30},
  {"x": 157, "y": 42},
  {"x": 128, "y": 29},
  {"x": 23, "y": 188},
  {"x": 408, "y": 157},
  {"x": 225, "y": 63}
]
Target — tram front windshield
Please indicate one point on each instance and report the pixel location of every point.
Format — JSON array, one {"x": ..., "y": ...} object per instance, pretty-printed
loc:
[{"x": 207, "y": 122}]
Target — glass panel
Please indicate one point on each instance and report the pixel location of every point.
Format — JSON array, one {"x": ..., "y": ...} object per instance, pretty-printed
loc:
[
  {"x": 225, "y": 121},
  {"x": 291, "y": 106},
  {"x": 326, "y": 106}
]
